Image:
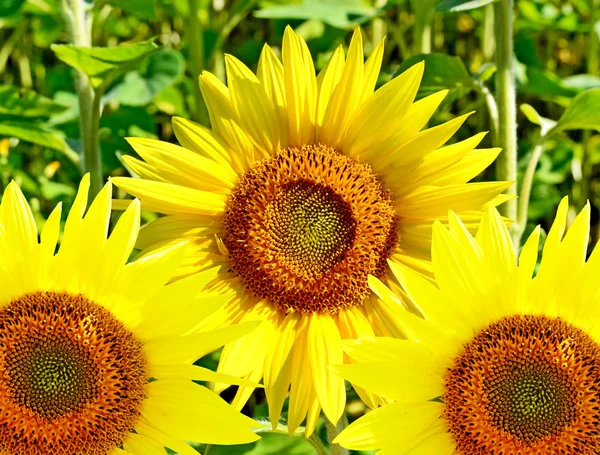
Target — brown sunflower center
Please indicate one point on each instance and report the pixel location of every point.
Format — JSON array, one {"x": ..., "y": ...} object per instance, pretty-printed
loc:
[
  {"x": 73, "y": 377},
  {"x": 305, "y": 228},
  {"x": 526, "y": 385}
]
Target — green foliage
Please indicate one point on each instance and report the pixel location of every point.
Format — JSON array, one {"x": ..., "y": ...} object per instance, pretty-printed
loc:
[
  {"x": 461, "y": 5},
  {"x": 26, "y": 103},
  {"x": 104, "y": 63},
  {"x": 140, "y": 87},
  {"x": 337, "y": 13},
  {"x": 441, "y": 72},
  {"x": 10, "y": 7},
  {"x": 583, "y": 112}
]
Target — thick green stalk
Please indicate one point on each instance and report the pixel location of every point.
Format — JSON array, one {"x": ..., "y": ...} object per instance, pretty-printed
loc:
[
  {"x": 506, "y": 165},
  {"x": 488, "y": 45},
  {"x": 422, "y": 32},
  {"x": 333, "y": 431},
  {"x": 196, "y": 43},
  {"x": 80, "y": 28}
]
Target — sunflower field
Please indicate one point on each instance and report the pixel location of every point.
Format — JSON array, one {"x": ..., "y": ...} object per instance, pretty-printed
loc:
[{"x": 262, "y": 227}]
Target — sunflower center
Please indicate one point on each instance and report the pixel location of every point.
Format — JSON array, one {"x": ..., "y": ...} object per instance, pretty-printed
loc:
[
  {"x": 305, "y": 228},
  {"x": 73, "y": 377},
  {"x": 523, "y": 383},
  {"x": 311, "y": 226}
]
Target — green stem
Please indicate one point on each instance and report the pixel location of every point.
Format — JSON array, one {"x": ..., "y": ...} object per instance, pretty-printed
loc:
[
  {"x": 525, "y": 193},
  {"x": 196, "y": 46},
  {"x": 487, "y": 40},
  {"x": 492, "y": 108},
  {"x": 593, "y": 62},
  {"x": 333, "y": 431},
  {"x": 422, "y": 32},
  {"x": 315, "y": 441},
  {"x": 80, "y": 28},
  {"x": 237, "y": 13},
  {"x": 506, "y": 165},
  {"x": 10, "y": 43}
]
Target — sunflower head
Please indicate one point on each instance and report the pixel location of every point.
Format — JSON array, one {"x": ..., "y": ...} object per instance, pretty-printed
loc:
[
  {"x": 83, "y": 363},
  {"x": 502, "y": 361},
  {"x": 305, "y": 185}
]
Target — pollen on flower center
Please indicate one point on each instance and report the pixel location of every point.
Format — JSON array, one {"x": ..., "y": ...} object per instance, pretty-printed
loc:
[
  {"x": 305, "y": 228},
  {"x": 311, "y": 226},
  {"x": 524, "y": 383},
  {"x": 73, "y": 377}
]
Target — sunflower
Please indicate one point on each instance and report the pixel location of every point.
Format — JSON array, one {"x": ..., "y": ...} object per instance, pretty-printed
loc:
[
  {"x": 93, "y": 360},
  {"x": 305, "y": 186},
  {"x": 502, "y": 363}
]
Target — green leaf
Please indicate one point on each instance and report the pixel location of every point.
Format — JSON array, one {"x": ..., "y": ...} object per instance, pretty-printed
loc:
[
  {"x": 583, "y": 112},
  {"x": 545, "y": 84},
  {"x": 36, "y": 134},
  {"x": 461, "y": 5},
  {"x": 269, "y": 444},
  {"x": 441, "y": 72},
  {"x": 54, "y": 190},
  {"x": 26, "y": 103},
  {"x": 582, "y": 81},
  {"x": 486, "y": 71},
  {"x": 533, "y": 116},
  {"x": 10, "y": 7},
  {"x": 146, "y": 9},
  {"x": 337, "y": 13},
  {"x": 104, "y": 62},
  {"x": 140, "y": 87}
]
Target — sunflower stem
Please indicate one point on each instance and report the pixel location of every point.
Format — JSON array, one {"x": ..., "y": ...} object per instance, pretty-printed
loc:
[
  {"x": 333, "y": 431},
  {"x": 197, "y": 59},
  {"x": 315, "y": 441},
  {"x": 79, "y": 23},
  {"x": 506, "y": 164},
  {"x": 422, "y": 32},
  {"x": 487, "y": 40},
  {"x": 525, "y": 193}
]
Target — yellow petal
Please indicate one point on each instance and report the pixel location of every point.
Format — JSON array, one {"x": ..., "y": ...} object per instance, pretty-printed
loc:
[
  {"x": 270, "y": 75},
  {"x": 345, "y": 96},
  {"x": 371, "y": 120},
  {"x": 169, "y": 199},
  {"x": 255, "y": 110},
  {"x": 324, "y": 349},
  {"x": 300, "y": 89}
]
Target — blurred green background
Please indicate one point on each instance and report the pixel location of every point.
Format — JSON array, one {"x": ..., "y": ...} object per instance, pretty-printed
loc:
[{"x": 164, "y": 44}]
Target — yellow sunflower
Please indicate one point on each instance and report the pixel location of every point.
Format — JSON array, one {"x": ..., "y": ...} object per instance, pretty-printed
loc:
[
  {"x": 502, "y": 363},
  {"x": 305, "y": 185},
  {"x": 92, "y": 357}
]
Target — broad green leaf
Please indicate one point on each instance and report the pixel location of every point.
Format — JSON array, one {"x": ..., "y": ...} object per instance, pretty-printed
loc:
[
  {"x": 101, "y": 62},
  {"x": 26, "y": 103},
  {"x": 583, "y": 112},
  {"x": 10, "y": 7},
  {"x": 145, "y": 9},
  {"x": 140, "y": 87},
  {"x": 533, "y": 116},
  {"x": 441, "y": 72},
  {"x": 461, "y": 5},
  {"x": 582, "y": 81},
  {"x": 36, "y": 134},
  {"x": 545, "y": 84},
  {"x": 55, "y": 190},
  {"x": 337, "y": 13}
]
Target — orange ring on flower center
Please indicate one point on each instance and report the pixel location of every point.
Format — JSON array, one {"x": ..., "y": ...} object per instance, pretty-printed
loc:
[
  {"x": 305, "y": 228},
  {"x": 73, "y": 377},
  {"x": 525, "y": 384}
]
